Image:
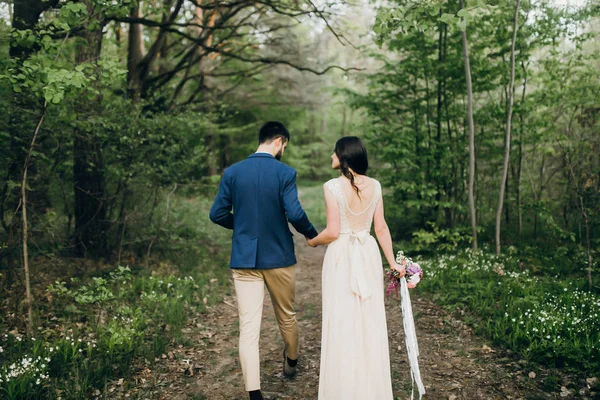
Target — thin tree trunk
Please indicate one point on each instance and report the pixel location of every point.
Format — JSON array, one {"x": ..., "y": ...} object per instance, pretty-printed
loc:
[
  {"x": 438, "y": 122},
  {"x": 507, "y": 143},
  {"x": 118, "y": 30},
  {"x": 587, "y": 241},
  {"x": 507, "y": 190},
  {"x": 323, "y": 122},
  {"x": 343, "y": 130},
  {"x": 211, "y": 152},
  {"x": 28, "y": 296},
  {"x": 465, "y": 44},
  {"x": 453, "y": 145},
  {"x": 122, "y": 225},
  {"x": 9, "y": 259},
  {"x": 587, "y": 223},
  {"x": 164, "y": 221},
  {"x": 135, "y": 54},
  {"x": 520, "y": 165},
  {"x": 538, "y": 196}
]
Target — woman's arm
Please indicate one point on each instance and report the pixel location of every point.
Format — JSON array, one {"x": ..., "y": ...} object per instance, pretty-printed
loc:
[
  {"x": 332, "y": 231},
  {"x": 385, "y": 238}
]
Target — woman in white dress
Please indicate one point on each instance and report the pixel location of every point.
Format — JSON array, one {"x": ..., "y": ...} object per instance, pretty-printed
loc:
[{"x": 355, "y": 362}]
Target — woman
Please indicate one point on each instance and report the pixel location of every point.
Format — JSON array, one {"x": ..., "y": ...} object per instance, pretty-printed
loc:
[{"x": 355, "y": 360}]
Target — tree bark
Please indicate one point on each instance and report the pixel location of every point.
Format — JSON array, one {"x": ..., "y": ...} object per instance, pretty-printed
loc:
[
  {"x": 520, "y": 163},
  {"x": 465, "y": 44},
  {"x": 508, "y": 126},
  {"x": 135, "y": 54}
]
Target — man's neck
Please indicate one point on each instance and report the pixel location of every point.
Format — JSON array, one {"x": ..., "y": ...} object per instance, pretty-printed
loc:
[{"x": 265, "y": 149}]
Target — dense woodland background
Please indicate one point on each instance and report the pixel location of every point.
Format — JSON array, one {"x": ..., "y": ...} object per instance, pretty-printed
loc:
[{"x": 482, "y": 121}]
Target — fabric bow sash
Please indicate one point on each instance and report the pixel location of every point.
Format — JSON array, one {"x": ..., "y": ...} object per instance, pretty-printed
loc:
[{"x": 359, "y": 281}]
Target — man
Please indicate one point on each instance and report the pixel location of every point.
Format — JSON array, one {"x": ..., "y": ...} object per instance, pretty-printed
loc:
[{"x": 262, "y": 192}]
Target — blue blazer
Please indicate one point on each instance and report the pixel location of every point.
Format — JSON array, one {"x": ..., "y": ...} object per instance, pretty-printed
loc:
[{"x": 262, "y": 192}]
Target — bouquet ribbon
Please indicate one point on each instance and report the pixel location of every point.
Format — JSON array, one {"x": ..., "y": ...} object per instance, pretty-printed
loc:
[{"x": 412, "y": 347}]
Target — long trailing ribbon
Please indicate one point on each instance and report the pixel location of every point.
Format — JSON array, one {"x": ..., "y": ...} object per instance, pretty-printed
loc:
[{"x": 412, "y": 347}]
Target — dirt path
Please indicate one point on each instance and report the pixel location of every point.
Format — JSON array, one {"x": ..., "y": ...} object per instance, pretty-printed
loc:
[{"x": 454, "y": 363}]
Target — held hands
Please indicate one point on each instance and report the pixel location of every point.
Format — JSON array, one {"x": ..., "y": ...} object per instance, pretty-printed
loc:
[
  {"x": 310, "y": 242},
  {"x": 400, "y": 268}
]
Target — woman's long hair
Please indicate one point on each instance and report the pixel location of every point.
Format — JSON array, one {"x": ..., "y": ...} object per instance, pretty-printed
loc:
[{"x": 352, "y": 154}]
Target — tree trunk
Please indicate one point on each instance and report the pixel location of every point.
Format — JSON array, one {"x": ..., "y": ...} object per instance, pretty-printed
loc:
[
  {"x": 587, "y": 242},
  {"x": 323, "y": 122},
  {"x": 538, "y": 196},
  {"x": 118, "y": 30},
  {"x": 520, "y": 164},
  {"x": 122, "y": 223},
  {"x": 343, "y": 129},
  {"x": 465, "y": 44},
  {"x": 508, "y": 126},
  {"x": 586, "y": 219},
  {"x": 28, "y": 296},
  {"x": 453, "y": 145},
  {"x": 211, "y": 153},
  {"x": 507, "y": 191},
  {"x": 88, "y": 170},
  {"x": 135, "y": 54},
  {"x": 438, "y": 122}
]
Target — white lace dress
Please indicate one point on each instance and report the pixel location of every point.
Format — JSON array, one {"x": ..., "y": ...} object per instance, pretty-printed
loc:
[{"x": 355, "y": 361}]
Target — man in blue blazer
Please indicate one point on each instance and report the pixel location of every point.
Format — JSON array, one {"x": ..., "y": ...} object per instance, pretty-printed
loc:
[{"x": 262, "y": 192}]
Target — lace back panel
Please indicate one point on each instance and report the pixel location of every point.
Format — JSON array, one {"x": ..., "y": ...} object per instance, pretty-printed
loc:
[{"x": 354, "y": 221}]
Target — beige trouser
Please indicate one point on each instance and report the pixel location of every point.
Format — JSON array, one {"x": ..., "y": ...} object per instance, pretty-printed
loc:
[{"x": 250, "y": 290}]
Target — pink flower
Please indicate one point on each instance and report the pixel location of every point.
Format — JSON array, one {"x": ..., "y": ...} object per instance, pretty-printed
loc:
[
  {"x": 411, "y": 285},
  {"x": 414, "y": 279}
]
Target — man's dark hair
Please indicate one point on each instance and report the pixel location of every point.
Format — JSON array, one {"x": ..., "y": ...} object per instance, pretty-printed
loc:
[{"x": 272, "y": 130}]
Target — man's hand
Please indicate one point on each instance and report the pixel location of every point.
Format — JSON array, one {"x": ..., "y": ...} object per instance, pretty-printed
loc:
[{"x": 310, "y": 242}]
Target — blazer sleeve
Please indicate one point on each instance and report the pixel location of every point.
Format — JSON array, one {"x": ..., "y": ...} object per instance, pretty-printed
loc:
[
  {"x": 293, "y": 210},
  {"x": 220, "y": 212}
]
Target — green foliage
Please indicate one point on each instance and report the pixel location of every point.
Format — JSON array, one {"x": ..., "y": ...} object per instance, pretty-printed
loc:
[
  {"x": 417, "y": 127},
  {"x": 443, "y": 240},
  {"x": 547, "y": 320},
  {"x": 97, "y": 326},
  {"x": 48, "y": 82}
]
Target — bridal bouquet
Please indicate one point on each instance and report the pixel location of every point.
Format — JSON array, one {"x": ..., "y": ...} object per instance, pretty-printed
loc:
[
  {"x": 399, "y": 284},
  {"x": 414, "y": 273}
]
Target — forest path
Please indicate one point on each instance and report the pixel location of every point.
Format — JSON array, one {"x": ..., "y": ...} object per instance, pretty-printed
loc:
[{"x": 455, "y": 364}]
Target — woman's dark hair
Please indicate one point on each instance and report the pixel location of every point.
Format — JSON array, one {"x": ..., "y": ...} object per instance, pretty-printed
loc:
[
  {"x": 352, "y": 153},
  {"x": 271, "y": 130}
]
